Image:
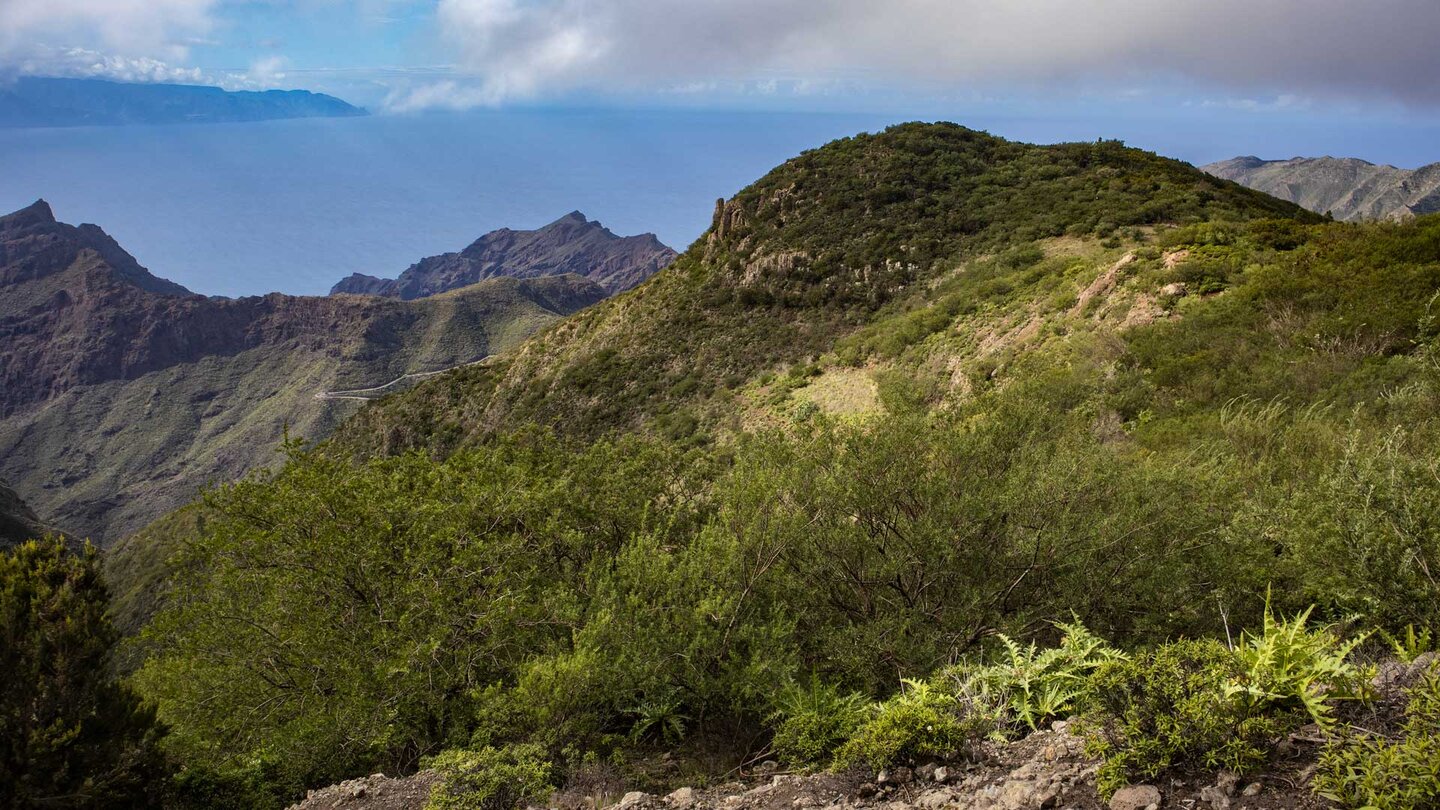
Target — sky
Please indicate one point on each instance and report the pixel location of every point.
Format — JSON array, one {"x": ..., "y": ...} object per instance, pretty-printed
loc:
[{"x": 1186, "y": 66}]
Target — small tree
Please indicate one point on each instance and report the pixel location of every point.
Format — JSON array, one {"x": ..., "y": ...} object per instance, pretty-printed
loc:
[{"x": 70, "y": 735}]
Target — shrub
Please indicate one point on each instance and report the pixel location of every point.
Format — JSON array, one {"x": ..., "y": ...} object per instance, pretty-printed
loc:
[
  {"x": 490, "y": 778},
  {"x": 1034, "y": 685},
  {"x": 1389, "y": 774},
  {"x": 921, "y": 721},
  {"x": 1289, "y": 665},
  {"x": 1169, "y": 707},
  {"x": 813, "y": 719},
  {"x": 70, "y": 735}
]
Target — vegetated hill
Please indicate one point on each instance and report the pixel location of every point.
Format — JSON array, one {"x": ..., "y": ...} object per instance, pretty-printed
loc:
[
  {"x": 121, "y": 393},
  {"x": 31, "y": 101},
  {"x": 792, "y": 264},
  {"x": 1346, "y": 188},
  {"x": 18, "y": 522},
  {"x": 571, "y": 244},
  {"x": 920, "y": 399}
]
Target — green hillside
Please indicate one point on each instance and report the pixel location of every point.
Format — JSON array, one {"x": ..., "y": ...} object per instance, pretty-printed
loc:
[
  {"x": 919, "y": 399},
  {"x": 150, "y": 442},
  {"x": 801, "y": 258}
]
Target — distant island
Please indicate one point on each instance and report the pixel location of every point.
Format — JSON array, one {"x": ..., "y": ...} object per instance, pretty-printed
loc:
[{"x": 51, "y": 102}]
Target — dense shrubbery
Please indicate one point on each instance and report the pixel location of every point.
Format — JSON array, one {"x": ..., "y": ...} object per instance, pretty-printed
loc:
[
  {"x": 870, "y": 590},
  {"x": 70, "y": 736}
]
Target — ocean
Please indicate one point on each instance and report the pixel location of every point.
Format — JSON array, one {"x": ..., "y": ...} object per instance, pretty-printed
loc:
[{"x": 294, "y": 206}]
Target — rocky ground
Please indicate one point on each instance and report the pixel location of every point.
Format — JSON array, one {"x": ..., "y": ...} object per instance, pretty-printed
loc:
[{"x": 1048, "y": 769}]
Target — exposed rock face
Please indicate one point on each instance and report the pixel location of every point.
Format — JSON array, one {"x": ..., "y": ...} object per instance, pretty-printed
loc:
[
  {"x": 1348, "y": 188},
  {"x": 122, "y": 393},
  {"x": 571, "y": 244},
  {"x": 18, "y": 522}
]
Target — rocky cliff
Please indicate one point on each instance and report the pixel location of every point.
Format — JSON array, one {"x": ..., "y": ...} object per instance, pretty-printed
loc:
[
  {"x": 122, "y": 393},
  {"x": 1347, "y": 188},
  {"x": 571, "y": 244}
]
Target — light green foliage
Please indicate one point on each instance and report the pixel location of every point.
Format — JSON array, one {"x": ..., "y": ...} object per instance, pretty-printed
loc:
[
  {"x": 70, "y": 736},
  {"x": 922, "y": 720},
  {"x": 812, "y": 719},
  {"x": 1168, "y": 708},
  {"x": 1289, "y": 665},
  {"x": 346, "y": 617},
  {"x": 490, "y": 778},
  {"x": 1410, "y": 643},
  {"x": 1035, "y": 684},
  {"x": 1389, "y": 774}
]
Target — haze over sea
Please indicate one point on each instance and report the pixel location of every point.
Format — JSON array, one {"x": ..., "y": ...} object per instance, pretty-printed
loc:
[{"x": 293, "y": 206}]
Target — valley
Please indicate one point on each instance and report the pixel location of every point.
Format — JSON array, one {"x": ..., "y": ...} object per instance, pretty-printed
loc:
[{"x": 124, "y": 394}]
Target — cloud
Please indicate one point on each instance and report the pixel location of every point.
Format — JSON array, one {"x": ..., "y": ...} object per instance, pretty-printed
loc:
[
  {"x": 129, "y": 40},
  {"x": 519, "y": 49},
  {"x": 85, "y": 63}
]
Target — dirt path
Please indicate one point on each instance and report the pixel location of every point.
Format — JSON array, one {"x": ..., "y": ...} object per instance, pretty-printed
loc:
[{"x": 367, "y": 394}]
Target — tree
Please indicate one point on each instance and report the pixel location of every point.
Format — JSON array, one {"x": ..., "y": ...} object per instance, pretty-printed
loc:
[{"x": 70, "y": 735}]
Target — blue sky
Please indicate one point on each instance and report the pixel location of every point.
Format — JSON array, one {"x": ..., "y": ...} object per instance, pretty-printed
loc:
[{"x": 1304, "y": 76}]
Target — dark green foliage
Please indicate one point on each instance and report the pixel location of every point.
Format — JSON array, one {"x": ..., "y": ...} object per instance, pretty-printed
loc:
[
  {"x": 70, "y": 736},
  {"x": 490, "y": 778}
]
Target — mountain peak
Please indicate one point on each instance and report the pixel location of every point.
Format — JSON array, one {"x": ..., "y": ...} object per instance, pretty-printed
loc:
[
  {"x": 573, "y": 243},
  {"x": 34, "y": 245},
  {"x": 37, "y": 213}
]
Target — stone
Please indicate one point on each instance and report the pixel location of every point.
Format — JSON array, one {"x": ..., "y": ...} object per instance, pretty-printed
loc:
[
  {"x": 1135, "y": 797},
  {"x": 681, "y": 799},
  {"x": 1216, "y": 797},
  {"x": 1060, "y": 726},
  {"x": 805, "y": 801},
  {"x": 1177, "y": 289},
  {"x": 903, "y": 776},
  {"x": 941, "y": 774},
  {"x": 1252, "y": 789},
  {"x": 926, "y": 772},
  {"x": 633, "y": 798}
]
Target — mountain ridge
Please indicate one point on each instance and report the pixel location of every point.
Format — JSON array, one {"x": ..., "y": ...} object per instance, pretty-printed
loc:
[
  {"x": 570, "y": 244},
  {"x": 1350, "y": 189},
  {"x": 122, "y": 393},
  {"x": 795, "y": 261}
]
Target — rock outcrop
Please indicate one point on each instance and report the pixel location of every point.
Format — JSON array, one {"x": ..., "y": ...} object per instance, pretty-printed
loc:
[
  {"x": 571, "y": 244},
  {"x": 1347, "y": 188}
]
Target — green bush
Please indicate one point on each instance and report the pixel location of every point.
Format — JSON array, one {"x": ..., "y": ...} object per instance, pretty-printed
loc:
[
  {"x": 490, "y": 778},
  {"x": 1287, "y": 665},
  {"x": 1168, "y": 708},
  {"x": 1032, "y": 684},
  {"x": 921, "y": 721},
  {"x": 1388, "y": 774},
  {"x": 813, "y": 719},
  {"x": 70, "y": 735}
]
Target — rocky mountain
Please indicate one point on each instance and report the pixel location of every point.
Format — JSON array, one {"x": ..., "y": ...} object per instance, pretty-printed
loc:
[
  {"x": 571, "y": 244},
  {"x": 1347, "y": 188},
  {"x": 121, "y": 393},
  {"x": 31, "y": 101},
  {"x": 18, "y": 522}
]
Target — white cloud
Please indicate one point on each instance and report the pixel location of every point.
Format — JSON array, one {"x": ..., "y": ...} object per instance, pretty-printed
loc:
[
  {"x": 533, "y": 48},
  {"x": 158, "y": 30},
  {"x": 85, "y": 63}
]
